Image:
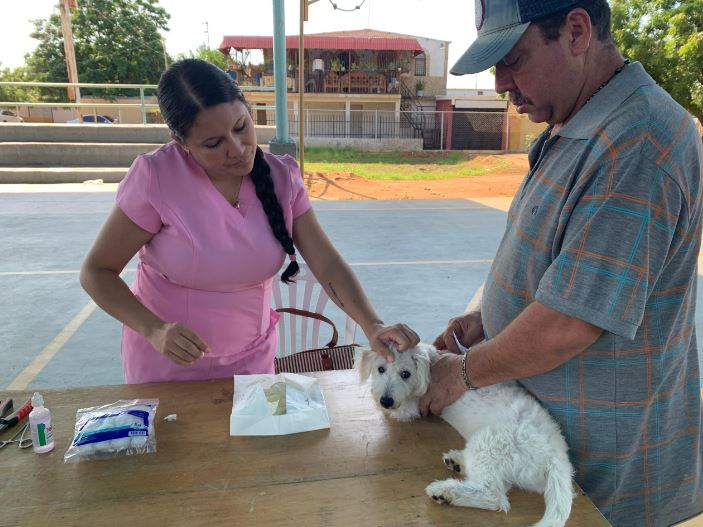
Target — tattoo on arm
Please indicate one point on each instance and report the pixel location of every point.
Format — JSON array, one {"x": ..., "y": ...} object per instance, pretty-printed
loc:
[{"x": 339, "y": 300}]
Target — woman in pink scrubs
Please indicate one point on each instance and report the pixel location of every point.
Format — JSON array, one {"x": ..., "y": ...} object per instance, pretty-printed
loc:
[{"x": 213, "y": 219}]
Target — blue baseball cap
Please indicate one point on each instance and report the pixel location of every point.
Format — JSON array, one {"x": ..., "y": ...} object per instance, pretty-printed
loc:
[{"x": 500, "y": 24}]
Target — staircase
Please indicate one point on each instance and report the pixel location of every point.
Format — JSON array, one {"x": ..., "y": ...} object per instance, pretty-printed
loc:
[
  {"x": 412, "y": 117},
  {"x": 74, "y": 153}
]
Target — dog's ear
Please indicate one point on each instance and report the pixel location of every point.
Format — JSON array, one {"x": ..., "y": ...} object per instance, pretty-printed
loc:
[
  {"x": 422, "y": 359},
  {"x": 362, "y": 362},
  {"x": 432, "y": 353}
]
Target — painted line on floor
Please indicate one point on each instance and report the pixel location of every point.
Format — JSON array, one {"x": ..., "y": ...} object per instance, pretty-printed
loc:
[
  {"x": 36, "y": 273},
  {"x": 357, "y": 264},
  {"x": 40, "y": 361},
  {"x": 49, "y": 352},
  {"x": 370, "y": 210},
  {"x": 420, "y": 262}
]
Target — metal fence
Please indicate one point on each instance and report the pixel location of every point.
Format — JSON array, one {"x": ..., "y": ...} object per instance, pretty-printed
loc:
[
  {"x": 455, "y": 130},
  {"x": 101, "y": 96},
  {"x": 446, "y": 130}
]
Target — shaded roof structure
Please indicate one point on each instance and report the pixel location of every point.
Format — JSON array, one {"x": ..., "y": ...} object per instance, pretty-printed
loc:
[{"x": 367, "y": 39}]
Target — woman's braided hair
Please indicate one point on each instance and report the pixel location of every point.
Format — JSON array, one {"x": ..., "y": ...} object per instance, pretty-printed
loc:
[{"x": 190, "y": 85}]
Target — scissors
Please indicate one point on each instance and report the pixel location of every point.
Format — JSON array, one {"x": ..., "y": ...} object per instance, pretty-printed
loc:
[
  {"x": 22, "y": 442},
  {"x": 8, "y": 419}
]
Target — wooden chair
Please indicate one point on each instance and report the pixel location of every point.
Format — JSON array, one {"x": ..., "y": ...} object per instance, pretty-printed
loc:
[
  {"x": 331, "y": 83},
  {"x": 297, "y": 333},
  {"x": 358, "y": 82},
  {"x": 377, "y": 83},
  {"x": 344, "y": 83}
]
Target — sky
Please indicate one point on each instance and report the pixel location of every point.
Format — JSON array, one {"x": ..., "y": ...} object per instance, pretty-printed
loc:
[{"x": 193, "y": 22}]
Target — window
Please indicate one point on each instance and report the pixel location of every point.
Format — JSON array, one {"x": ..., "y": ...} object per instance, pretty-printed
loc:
[{"x": 420, "y": 67}]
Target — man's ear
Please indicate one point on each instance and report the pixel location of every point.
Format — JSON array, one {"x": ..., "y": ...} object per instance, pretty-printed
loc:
[
  {"x": 579, "y": 30},
  {"x": 362, "y": 362}
]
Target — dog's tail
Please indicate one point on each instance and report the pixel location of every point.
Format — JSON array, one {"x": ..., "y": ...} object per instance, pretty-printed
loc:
[{"x": 558, "y": 493}]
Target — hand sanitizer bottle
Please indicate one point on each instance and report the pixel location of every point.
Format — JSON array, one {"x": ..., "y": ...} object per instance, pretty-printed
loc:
[{"x": 40, "y": 426}]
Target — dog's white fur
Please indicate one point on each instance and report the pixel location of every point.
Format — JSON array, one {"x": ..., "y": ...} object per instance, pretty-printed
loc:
[{"x": 511, "y": 441}]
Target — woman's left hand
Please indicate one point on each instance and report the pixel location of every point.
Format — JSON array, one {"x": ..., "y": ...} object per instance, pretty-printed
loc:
[{"x": 398, "y": 335}]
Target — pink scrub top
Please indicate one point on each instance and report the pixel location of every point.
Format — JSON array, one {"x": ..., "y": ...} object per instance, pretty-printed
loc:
[{"x": 209, "y": 265}]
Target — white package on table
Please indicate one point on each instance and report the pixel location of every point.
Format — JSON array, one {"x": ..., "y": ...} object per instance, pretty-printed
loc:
[{"x": 121, "y": 428}]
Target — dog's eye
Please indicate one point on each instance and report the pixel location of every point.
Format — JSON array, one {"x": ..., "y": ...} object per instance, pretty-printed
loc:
[
  {"x": 405, "y": 374},
  {"x": 381, "y": 369}
]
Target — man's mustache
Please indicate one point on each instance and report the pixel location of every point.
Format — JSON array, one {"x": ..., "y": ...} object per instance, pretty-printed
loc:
[{"x": 517, "y": 99}]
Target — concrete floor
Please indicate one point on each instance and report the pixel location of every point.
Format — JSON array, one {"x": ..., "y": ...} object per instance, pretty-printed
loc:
[{"x": 419, "y": 261}]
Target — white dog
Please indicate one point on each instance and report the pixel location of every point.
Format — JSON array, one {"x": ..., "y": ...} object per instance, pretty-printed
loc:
[{"x": 510, "y": 439}]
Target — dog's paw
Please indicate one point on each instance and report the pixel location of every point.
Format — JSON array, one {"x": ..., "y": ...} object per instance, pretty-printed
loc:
[
  {"x": 405, "y": 413},
  {"x": 442, "y": 491},
  {"x": 454, "y": 460}
]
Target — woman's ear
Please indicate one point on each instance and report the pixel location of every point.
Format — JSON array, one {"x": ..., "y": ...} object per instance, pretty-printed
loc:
[{"x": 180, "y": 142}]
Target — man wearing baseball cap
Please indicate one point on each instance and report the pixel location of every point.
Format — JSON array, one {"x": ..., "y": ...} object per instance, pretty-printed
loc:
[{"x": 590, "y": 301}]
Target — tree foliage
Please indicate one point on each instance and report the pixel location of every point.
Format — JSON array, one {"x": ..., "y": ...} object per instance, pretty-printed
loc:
[
  {"x": 666, "y": 36},
  {"x": 116, "y": 41},
  {"x": 21, "y": 93},
  {"x": 211, "y": 55}
]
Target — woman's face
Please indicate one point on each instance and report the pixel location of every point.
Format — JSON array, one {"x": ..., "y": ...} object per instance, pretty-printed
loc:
[{"x": 223, "y": 140}]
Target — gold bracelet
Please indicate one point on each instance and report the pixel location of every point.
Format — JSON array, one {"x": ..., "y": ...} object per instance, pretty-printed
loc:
[{"x": 465, "y": 373}]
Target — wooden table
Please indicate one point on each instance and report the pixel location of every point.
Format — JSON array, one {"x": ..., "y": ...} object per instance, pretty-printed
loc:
[{"x": 365, "y": 470}]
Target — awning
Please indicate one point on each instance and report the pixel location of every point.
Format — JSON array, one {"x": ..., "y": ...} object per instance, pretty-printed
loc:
[{"x": 324, "y": 42}]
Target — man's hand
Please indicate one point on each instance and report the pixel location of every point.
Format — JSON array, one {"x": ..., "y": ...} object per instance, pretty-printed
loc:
[
  {"x": 468, "y": 329},
  {"x": 399, "y": 336},
  {"x": 178, "y": 343},
  {"x": 447, "y": 384}
]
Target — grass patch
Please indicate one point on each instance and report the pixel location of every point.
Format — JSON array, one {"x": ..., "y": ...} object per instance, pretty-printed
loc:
[{"x": 400, "y": 165}]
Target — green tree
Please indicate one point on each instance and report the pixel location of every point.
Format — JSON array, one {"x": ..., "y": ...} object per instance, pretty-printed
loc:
[
  {"x": 116, "y": 41},
  {"x": 20, "y": 93},
  {"x": 213, "y": 56},
  {"x": 666, "y": 36}
]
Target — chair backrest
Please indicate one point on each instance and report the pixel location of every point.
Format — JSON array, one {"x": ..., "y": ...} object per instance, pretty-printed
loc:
[
  {"x": 344, "y": 81},
  {"x": 377, "y": 82},
  {"x": 297, "y": 333},
  {"x": 331, "y": 81},
  {"x": 359, "y": 80}
]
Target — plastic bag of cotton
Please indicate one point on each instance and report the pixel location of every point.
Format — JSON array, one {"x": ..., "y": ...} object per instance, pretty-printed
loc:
[{"x": 122, "y": 428}]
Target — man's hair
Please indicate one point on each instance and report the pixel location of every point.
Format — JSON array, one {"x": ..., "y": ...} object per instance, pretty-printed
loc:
[{"x": 598, "y": 10}]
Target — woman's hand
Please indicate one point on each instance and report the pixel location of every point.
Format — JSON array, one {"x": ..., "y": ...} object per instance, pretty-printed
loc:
[
  {"x": 178, "y": 343},
  {"x": 468, "y": 329},
  {"x": 400, "y": 336}
]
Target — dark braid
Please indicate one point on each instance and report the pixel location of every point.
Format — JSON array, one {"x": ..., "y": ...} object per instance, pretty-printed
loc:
[
  {"x": 261, "y": 176},
  {"x": 190, "y": 85}
]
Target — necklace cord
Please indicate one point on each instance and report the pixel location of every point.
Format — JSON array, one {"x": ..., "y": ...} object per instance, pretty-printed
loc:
[{"x": 622, "y": 67}]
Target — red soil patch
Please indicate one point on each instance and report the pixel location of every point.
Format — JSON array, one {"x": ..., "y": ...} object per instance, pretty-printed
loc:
[{"x": 502, "y": 181}]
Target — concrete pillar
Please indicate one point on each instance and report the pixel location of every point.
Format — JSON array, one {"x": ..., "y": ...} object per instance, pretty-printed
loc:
[{"x": 282, "y": 143}]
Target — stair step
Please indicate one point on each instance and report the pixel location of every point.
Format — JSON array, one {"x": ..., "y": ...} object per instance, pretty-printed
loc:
[
  {"x": 61, "y": 175},
  {"x": 77, "y": 133},
  {"x": 34, "y": 154}
]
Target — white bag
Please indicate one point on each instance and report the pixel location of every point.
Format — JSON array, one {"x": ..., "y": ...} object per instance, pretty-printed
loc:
[{"x": 268, "y": 404}]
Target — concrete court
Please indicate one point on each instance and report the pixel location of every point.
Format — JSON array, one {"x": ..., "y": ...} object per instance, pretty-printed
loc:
[{"x": 419, "y": 261}]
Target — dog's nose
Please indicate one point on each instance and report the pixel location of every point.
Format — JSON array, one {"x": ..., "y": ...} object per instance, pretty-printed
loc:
[{"x": 386, "y": 402}]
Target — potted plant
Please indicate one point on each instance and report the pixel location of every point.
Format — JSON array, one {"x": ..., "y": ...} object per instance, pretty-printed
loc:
[
  {"x": 335, "y": 64},
  {"x": 420, "y": 87}
]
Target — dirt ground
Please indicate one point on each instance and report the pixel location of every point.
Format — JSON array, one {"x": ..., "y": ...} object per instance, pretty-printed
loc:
[{"x": 503, "y": 181}]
